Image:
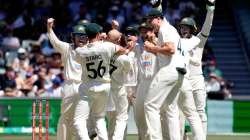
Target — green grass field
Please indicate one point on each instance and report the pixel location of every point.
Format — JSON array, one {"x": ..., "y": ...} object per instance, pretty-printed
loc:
[{"x": 134, "y": 137}]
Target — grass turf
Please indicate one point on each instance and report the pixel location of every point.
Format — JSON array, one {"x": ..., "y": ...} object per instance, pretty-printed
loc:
[
  {"x": 53, "y": 137},
  {"x": 134, "y": 137}
]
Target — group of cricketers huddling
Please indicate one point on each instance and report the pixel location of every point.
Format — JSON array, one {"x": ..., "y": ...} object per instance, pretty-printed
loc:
[{"x": 152, "y": 68}]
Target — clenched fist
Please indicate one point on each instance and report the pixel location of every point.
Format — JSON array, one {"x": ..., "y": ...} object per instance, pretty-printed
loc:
[
  {"x": 115, "y": 24},
  {"x": 50, "y": 23},
  {"x": 212, "y": 1}
]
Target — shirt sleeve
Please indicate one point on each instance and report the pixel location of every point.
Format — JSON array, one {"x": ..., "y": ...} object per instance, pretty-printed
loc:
[
  {"x": 125, "y": 63},
  {"x": 111, "y": 48},
  {"x": 205, "y": 31},
  {"x": 58, "y": 45},
  {"x": 77, "y": 55},
  {"x": 168, "y": 33}
]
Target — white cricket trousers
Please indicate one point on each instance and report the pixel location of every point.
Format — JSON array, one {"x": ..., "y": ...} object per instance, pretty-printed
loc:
[
  {"x": 162, "y": 91},
  {"x": 139, "y": 112},
  {"x": 200, "y": 96},
  {"x": 119, "y": 96},
  {"x": 170, "y": 122},
  {"x": 93, "y": 100},
  {"x": 187, "y": 106},
  {"x": 70, "y": 96},
  {"x": 130, "y": 90}
]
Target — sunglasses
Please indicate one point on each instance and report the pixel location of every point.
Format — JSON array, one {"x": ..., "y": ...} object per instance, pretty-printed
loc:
[{"x": 80, "y": 35}]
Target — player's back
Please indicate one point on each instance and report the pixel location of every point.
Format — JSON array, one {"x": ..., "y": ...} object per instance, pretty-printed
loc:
[
  {"x": 120, "y": 66},
  {"x": 95, "y": 61}
]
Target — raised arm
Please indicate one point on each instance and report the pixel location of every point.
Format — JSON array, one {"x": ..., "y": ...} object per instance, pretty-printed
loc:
[
  {"x": 203, "y": 35},
  {"x": 58, "y": 45}
]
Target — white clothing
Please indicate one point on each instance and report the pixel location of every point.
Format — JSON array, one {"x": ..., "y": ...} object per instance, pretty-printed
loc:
[
  {"x": 95, "y": 61},
  {"x": 72, "y": 69},
  {"x": 165, "y": 85},
  {"x": 69, "y": 92},
  {"x": 147, "y": 68},
  {"x": 187, "y": 106},
  {"x": 196, "y": 77},
  {"x": 119, "y": 95},
  {"x": 198, "y": 50},
  {"x": 65, "y": 128}
]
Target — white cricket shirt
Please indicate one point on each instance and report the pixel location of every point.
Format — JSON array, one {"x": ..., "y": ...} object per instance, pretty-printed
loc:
[
  {"x": 198, "y": 50},
  {"x": 119, "y": 68},
  {"x": 168, "y": 33},
  {"x": 72, "y": 69},
  {"x": 95, "y": 60}
]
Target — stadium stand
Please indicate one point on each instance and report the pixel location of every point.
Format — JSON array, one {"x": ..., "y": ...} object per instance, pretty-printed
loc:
[{"x": 229, "y": 50}]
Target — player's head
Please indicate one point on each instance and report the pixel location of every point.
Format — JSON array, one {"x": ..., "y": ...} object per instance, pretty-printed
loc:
[
  {"x": 154, "y": 18},
  {"x": 79, "y": 36},
  {"x": 146, "y": 31},
  {"x": 114, "y": 36},
  {"x": 187, "y": 27},
  {"x": 94, "y": 31},
  {"x": 132, "y": 33}
]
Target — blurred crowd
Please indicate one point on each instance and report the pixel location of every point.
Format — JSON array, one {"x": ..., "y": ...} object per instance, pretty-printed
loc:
[
  {"x": 215, "y": 83},
  {"x": 29, "y": 66}
]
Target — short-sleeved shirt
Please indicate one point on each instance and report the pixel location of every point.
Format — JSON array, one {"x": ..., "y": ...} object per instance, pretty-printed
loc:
[
  {"x": 95, "y": 61},
  {"x": 147, "y": 64},
  {"x": 168, "y": 33},
  {"x": 120, "y": 66}
]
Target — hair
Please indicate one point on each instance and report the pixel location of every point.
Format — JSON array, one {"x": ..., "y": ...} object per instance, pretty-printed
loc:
[{"x": 92, "y": 36}]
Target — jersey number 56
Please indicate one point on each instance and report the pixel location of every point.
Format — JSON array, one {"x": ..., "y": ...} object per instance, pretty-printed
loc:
[{"x": 95, "y": 71}]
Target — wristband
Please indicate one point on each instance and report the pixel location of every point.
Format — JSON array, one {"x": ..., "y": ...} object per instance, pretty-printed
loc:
[{"x": 210, "y": 7}]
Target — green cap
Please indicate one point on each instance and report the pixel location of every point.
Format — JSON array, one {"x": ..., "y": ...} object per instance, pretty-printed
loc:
[
  {"x": 153, "y": 14},
  {"x": 93, "y": 28},
  {"x": 146, "y": 26},
  {"x": 79, "y": 29},
  {"x": 190, "y": 22},
  {"x": 132, "y": 30}
]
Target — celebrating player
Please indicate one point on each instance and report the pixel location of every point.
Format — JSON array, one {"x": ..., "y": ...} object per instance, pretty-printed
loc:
[
  {"x": 72, "y": 70},
  {"x": 167, "y": 81},
  {"x": 147, "y": 68},
  {"x": 187, "y": 28},
  {"x": 120, "y": 66},
  {"x": 95, "y": 61}
]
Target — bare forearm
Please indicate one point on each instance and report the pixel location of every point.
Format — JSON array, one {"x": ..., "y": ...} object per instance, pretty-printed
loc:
[{"x": 166, "y": 49}]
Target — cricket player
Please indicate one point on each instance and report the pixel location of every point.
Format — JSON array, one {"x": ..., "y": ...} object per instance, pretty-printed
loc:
[
  {"x": 120, "y": 66},
  {"x": 95, "y": 61},
  {"x": 165, "y": 85},
  {"x": 186, "y": 100},
  {"x": 187, "y": 28},
  {"x": 147, "y": 68},
  {"x": 72, "y": 70},
  {"x": 131, "y": 35}
]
